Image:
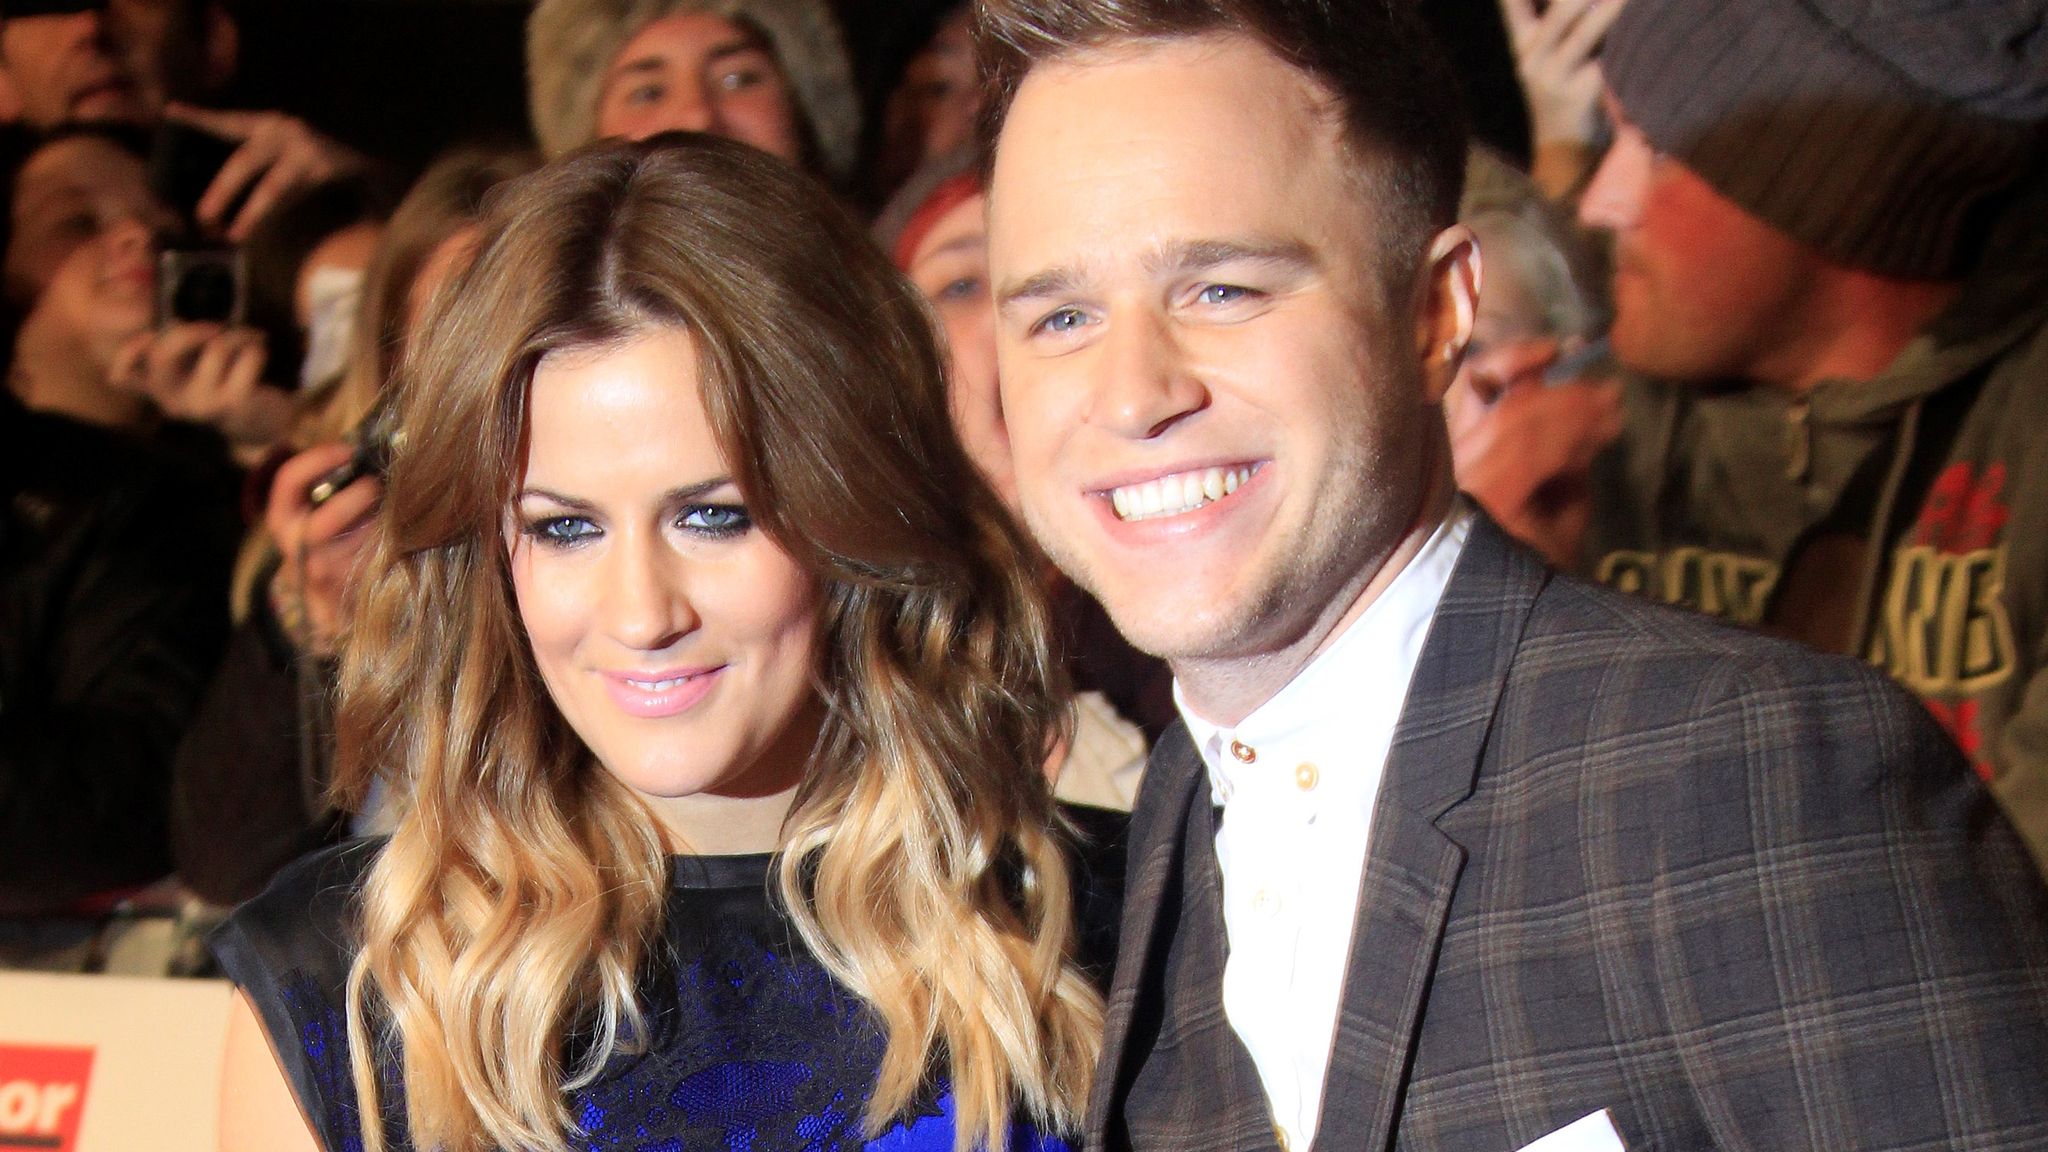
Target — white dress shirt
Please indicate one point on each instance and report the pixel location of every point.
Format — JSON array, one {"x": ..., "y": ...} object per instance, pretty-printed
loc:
[{"x": 1297, "y": 780}]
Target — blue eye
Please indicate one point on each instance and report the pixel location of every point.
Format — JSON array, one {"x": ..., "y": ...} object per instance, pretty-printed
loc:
[
  {"x": 1062, "y": 322},
  {"x": 715, "y": 520},
  {"x": 741, "y": 78},
  {"x": 1222, "y": 294},
  {"x": 561, "y": 531},
  {"x": 963, "y": 288}
]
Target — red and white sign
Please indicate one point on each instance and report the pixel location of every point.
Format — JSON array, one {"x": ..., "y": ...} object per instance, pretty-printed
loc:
[{"x": 42, "y": 1096}]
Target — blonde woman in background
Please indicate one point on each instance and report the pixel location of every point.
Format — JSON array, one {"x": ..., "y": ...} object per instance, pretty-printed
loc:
[
  {"x": 712, "y": 685},
  {"x": 249, "y": 780}
]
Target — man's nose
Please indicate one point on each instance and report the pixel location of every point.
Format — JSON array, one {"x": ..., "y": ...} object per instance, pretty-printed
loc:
[
  {"x": 128, "y": 232},
  {"x": 693, "y": 107},
  {"x": 1613, "y": 197},
  {"x": 1142, "y": 383}
]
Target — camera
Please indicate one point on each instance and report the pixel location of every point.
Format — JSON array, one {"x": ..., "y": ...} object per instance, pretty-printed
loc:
[
  {"x": 200, "y": 284},
  {"x": 376, "y": 438}
]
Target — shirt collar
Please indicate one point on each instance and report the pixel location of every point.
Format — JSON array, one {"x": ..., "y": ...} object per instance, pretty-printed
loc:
[{"x": 1323, "y": 702}]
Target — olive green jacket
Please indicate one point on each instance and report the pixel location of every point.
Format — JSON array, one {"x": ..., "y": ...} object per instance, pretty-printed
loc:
[{"x": 1903, "y": 518}]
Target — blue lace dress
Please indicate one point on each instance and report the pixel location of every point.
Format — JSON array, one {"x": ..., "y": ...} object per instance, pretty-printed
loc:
[{"x": 754, "y": 1047}]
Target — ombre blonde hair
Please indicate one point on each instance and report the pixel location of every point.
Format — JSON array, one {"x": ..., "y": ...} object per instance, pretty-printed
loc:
[{"x": 523, "y": 890}]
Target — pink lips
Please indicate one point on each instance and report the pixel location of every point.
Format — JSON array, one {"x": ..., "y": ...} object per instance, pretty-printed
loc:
[{"x": 655, "y": 695}]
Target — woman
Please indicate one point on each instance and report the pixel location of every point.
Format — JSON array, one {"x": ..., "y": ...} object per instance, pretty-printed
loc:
[{"x": 680, "y": 559}]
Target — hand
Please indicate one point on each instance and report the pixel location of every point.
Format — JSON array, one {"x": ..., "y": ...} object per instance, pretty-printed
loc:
[
  {"x": 276, "y": 153},
  {"x": 1557, "y": 57},
  {"x": 1524, "y": 449},
  {"x": 207, "y": 374},
  {"x": 320, "y": 546}
]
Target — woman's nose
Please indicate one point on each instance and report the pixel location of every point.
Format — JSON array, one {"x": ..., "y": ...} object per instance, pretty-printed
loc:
[{"x": 646, "y": 600}]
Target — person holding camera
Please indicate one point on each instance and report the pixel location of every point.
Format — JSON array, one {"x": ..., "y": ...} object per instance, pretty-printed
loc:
[
  {"x": 115, "y": 538},
  {"x": 152, "y": 64},
  {"x": 95, "y": 342}
]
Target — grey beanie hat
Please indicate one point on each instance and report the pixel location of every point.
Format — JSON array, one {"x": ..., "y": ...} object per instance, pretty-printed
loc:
[
  {"x": 570, "y": 44},
  {"x": 1874, "y": 131}
]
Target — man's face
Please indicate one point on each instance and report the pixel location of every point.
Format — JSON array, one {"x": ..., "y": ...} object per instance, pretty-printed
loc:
[
  {"x": 701, "y": 73},
  {"x": 63, "y": 72},
  {"x": 1702, "y": 289},
  {"x": 1217, "y": 408}
]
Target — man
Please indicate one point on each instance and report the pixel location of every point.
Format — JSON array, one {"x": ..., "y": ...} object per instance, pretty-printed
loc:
[
  {"x": 1608, "y": 867},
  {"x": 1843, "y": 441},
  {"x": 57, "y": 55},
  {"x": 770, "y": 73},
  {"x": 62, "y": 66}
]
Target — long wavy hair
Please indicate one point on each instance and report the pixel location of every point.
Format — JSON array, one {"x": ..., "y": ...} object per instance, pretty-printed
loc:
[
  {"x": 448, "y": 197},
  {"x": 523, "y": 889}
]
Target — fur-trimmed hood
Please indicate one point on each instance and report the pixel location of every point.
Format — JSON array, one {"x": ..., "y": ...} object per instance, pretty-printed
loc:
[{"x": 571, "y": 43}]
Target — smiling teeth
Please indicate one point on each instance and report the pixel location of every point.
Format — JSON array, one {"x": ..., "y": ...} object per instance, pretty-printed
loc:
[
  {"x": 1177, "y": 494},
  {"x": 658, "y": 685}
]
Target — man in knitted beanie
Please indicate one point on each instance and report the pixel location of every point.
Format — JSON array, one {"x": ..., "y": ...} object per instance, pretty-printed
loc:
[
  {"x": 771, "y": 73},
  {"x": 1839, "y": 435}
]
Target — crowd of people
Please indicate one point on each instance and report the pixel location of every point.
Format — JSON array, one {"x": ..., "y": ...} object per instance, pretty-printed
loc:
[{"x": 1157, "y": 593}]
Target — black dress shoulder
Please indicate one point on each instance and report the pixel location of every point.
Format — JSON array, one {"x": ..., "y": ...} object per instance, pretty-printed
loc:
[{"x": 754, "y": 1047}]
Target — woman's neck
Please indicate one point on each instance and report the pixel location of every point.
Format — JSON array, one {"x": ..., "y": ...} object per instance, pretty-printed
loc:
[
  {"x": 708, "y": 825},
  {"x": 52, "y": 373}
]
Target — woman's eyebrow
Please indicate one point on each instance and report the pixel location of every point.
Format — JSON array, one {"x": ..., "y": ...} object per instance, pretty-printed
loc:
[{"x": 680, "y": 495}]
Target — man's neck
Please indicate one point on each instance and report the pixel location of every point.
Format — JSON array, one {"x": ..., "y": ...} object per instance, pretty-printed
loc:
[
  {"x": 1224, "y": 691},
  {"x": 1855, "y": 325}
]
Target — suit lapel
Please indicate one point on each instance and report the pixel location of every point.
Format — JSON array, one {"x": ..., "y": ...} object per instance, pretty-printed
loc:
[
  {"x": 1174, "y": 782},
  {"x": 1411, "y": 868}
]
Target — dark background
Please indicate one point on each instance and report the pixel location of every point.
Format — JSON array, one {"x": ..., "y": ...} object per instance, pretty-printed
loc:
[{"x": 403, "y": 79}]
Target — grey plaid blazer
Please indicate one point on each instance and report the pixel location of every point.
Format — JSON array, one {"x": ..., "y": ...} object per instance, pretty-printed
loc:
[{"x": 1743, "y": 895}]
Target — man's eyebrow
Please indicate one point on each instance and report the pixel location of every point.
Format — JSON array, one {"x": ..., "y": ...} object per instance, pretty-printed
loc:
[
  {"x": 1179, "y": 257},
  {"x": 744, "y": 42},
  {"x": 654, "y": 61},
  {"x": 639, "y": 65},
  {"x": 1038, "y": 286},
  {"x": 1200, "y": 255}
]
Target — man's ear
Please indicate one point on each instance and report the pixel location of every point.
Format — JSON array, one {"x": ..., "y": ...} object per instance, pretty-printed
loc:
[{"x": 1446, "y": 303}]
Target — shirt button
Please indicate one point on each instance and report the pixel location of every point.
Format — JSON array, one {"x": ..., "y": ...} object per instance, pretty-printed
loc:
[
  {"x": 1266, "y": 903},
  {"x": 1245, "y": 753},
  {"x": 1306, "y": 776}
]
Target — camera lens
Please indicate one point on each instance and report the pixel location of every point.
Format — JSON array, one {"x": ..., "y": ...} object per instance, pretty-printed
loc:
[{"x": 204, "y": 292}]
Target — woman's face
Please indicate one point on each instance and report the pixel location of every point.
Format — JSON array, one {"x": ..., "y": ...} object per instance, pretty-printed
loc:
[
  {"x": 83, "y": 250},
  {"x": 675, "y": 636},
  {"x": 701, "y": 73},
  {"x": 950, "y": 267}
]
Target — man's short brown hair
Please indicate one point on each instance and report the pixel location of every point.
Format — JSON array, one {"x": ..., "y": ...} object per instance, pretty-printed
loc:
[{"x": 1403, "y": 119}]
